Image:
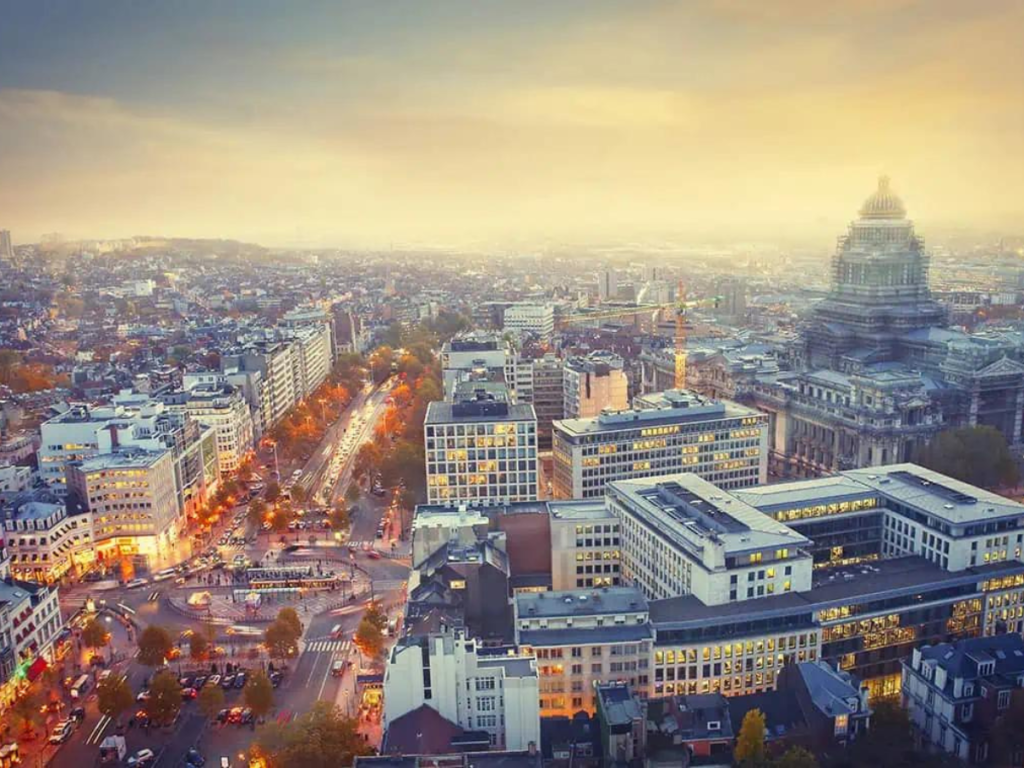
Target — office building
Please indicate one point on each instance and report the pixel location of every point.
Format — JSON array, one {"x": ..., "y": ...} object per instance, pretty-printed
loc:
[
  {"x": 537, "y": 320},
  {"x": 131, "y": 496},
  {"x": 223, "y": 408},
  {"x": 607, "y": 285},
  {"x": 279, "y": 385},
  {"x": 581, "y": 638},
  {"x": 683, "y": 536},
  {"x": 481, "y": 447},
  {"x": 13, "y": 480},
  {"x": 548, "y": 396},
  {"x": 44, "y": 543},
  {"x": 955, "y": 694},
  {"x": 478, "y": 689},
  {"x": 594, "y": 384},
  {"x": 666, "y": 432},
  {"x": 585, "y": 548}
]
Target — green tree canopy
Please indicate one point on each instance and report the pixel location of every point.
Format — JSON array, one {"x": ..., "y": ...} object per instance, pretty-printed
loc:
[
  {"x": 211, "y": 700},
  {"x": 114, "y": 696},
  {"x": 975, "y": 455},
  {"x": 154, "y": 645},
  {"x": 749, "y": 750},
  {"x": 24, "y": 713},
  {"x": 164, "y": 700},
  {"x": 281, "y": 640},
  {"x": 323, "y": 737},
  {"x": 259, "y": 694}
]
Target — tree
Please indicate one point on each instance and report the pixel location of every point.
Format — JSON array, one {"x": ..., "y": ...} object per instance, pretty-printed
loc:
[
  {"x": 339, "y": 518},
  {"x": 198, "y": 646},
  {"x": 255, "y": 512},
  {"x": 369, "y": 637},
  {"x": 376, "y": 616},
  {"x": 95, "y": 635},
  {"x": 290, "y": 617},
  {"x": 259, "y": 694},
  {"x": 281, "y": 640},
  {"x": 323, "y": 737},
  {"x": 352, "y": 493},
  {"x": 9, "y": 362},
  {"x": 889, "y": 741},
  {"x": 114, "y": 696},
  {"x": 154, "y": 646},
  {"x": 749, "y": 751},
  {"x": 796, "y": 757},
  {"x": 975, "y": 455},
  {"x": 24, "y": 714},
  {"x": 272, "y": 492},
  {"x": 368, "y": 459},
  {"x": 164, "y": 700},
  {"x": 298, "y": 494},
  {"x": 211, "y": 700}
]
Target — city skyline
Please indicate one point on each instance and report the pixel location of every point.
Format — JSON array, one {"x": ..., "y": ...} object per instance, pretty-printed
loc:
[{"x": 461, "y": 124}]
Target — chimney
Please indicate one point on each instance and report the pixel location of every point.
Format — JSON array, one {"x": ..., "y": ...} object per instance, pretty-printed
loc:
[{"x": 531, "y": 748}]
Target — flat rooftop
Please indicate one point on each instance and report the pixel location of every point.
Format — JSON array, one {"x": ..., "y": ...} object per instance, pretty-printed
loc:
[
  {"x": 134, "y": 457},
  {"x": 884, "y": 578},
  {"x": 785, "y": 495},
  {"x": 580, "y": 510},
  {"x": 576, "y": 602},
  {"x": 642, "y": 418},
  {"x": 688, "y": 510}
]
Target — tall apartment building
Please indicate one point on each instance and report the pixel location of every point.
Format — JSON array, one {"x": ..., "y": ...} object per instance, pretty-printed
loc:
[
  {"x": 478, "y": 690},
  {"x": 6, "y": 246},
  {"x": 45, "y": 543},
  {"x": 581, "y": 638},
  {"x": 593, "y": 384},
  {"x": 313, "y": 355},
  {"x": 481, "y": 447},
  {"x": 535, "y": 319},
  {"x": 224, "y": 408},
  {"x": 668, "y": 432},
  {"x": 607, "y": 284},
  {"x": 548, "y": 396},
  {"x": 131, "y": 496},
  {"x": 279, "y": 372},
  {"x": 955, "y": 694},
  {"x": 682, "y": 536},
  {"x": 585, "y": 545}
]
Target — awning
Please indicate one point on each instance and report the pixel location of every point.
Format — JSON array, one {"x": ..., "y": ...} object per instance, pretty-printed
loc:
[{"x": 36, "y": 669}]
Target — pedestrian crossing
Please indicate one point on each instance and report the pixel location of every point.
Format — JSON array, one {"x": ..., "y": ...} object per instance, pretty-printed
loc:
[
  {"x": 328, "y": 646},
  {"x": 360, "y": 544}
]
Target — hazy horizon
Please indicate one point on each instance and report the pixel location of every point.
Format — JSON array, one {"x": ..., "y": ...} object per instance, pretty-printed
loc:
[{"x": 456, "y": 123}]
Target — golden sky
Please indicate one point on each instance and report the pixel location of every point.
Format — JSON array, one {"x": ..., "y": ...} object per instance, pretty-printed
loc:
[{"x": 368, "y": 124}]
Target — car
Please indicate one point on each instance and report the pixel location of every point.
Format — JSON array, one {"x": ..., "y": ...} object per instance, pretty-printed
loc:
[
  {"x": 240, "y": 680},
  {"x": 143, "y": 696},
  {"x": 213, "y": 680},
  {"x": 373, "y": 554},
  {"x": 192, "y": 757},
  {"x": 198, "y": 682},
  {"x": 187, "y": 694},
  {"x": 142, "y": 718},
  {"x": 136, "y": 583},
  {"x": 337, "y": 633},
  {"x": 235, "y": 715},
  {"x": 185, "y": 682},
  {"x": 174, "y": 653},
  {"x": 275, "y": 679},
  {"x": 222, "y": 716},
  {"x": 141, "y": 758},
  {"x": 338, "y": 668},
  {"x": 62, "y": 732},
  {"x": 227, "y": 681},
  {"x": 247, "y": 716},
  {"x": 77, "y": 714}
]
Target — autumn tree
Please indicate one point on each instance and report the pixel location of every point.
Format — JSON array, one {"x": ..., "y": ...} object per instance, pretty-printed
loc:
[
  {"x": 272, "y": 492},
  {"x": 749, "y": 750},
  {"x": 323, "y": 737},
  {"x": 155, "y": 645},
  {"x": 369, "y": 637},
  {"x": 198, "y": 646},
  {"x": 211, "y": 700},
  {"x": 339, "y": 518},
  {"x": 25, "y": 712},
  {"x": 259, "y": 694},
  {"x": 290, "y": 617},
  {"x": 281, "y": 640},
  {"x": 255, "y": 512},
  {"x": 94, "y": 635},
  {"x": 164, "y": 700},
  {"x": 114, "y": 696}
]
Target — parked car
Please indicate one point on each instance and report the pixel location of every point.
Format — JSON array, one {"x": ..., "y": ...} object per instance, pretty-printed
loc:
[
  {"x": 227, "y": 681},
  {"x": 192, "y": 757},
  {"x": 77, "y": 714},
  {"x": 141, "y": 758},
  {"x": 62, "y": 732},
  {"x": 222, "y": 716},
  {"x": 187, "y": 694},
  {"x": 240, "y": 680},
  {"x": 213, "y": 680}
]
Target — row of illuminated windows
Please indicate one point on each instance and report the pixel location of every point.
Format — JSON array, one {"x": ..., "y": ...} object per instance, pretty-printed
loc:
[
  {"x": 735, "y": 650},
  {"x": 822, "y": 510}
]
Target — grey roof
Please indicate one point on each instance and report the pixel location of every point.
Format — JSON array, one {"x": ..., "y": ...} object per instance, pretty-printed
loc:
[
  {"x": 439, "y": 412},
  {"x": 618, "y": 705},
  {"x": 597, "y": 602},
  {"x": 961, "y": 659},
  {"x": 644, "y": 418},
  {"x": 580, "y": 509},
  {"x": 819, "y": 490},
  {"x": 830, "y": 691}
]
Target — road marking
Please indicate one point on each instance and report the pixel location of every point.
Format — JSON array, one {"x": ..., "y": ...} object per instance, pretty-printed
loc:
[
  {"x": 154, "y": 596},
  {"x": 97, "y": 731},
  {"x": 325, "y": 646}
]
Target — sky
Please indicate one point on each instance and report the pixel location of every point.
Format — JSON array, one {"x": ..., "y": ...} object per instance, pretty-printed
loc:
[{"x": 506, "y": 124}]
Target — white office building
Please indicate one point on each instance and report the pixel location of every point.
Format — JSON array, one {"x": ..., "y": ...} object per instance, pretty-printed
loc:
[
  {"x": 477, "y": 690},
  {"x": 666, "y": 432},
  {"x": 224, "y": 408},
  {"x": 45, "y": 544},
  {"x": 683, "y": 536},
  {"x": 585, "y": 547},
  {"x": 535, "y": 319}
]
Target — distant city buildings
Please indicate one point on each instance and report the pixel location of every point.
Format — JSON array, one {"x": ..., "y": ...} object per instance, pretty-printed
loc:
[
  {"x": 6, "y": 246},
  {"x": 537, "y": 320}
]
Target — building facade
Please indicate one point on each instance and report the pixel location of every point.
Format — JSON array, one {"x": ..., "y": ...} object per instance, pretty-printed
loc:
[
  {"x": 44, "y": 544},
  {"x": 481, "y": 447},
  {"x": 585, "y": 545},
  {"x": 664, "y": 433},
  {"x": 537, "y": 320},
  {"x": 593, "y": 384}
]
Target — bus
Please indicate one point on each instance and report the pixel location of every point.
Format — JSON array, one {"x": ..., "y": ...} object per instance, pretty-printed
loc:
[
  {"x": 241, "y": 630},
  {"x": 163, "y": 575},
  {"x": 80, "y": 688}
]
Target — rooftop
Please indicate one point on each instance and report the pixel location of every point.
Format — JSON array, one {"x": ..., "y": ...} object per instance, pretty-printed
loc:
[
  {"x": 819, "y": 490},
  {"x": 479, "y": 401},
  {"x": 133, "y": 457},
  {"x": 579, "y": 510},
  {"x": 672, "y": 408},
  {"x": 597, "y": 602}
]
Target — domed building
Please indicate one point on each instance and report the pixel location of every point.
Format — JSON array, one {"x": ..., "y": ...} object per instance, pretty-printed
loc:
[{"x": 879, "y": 372}]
